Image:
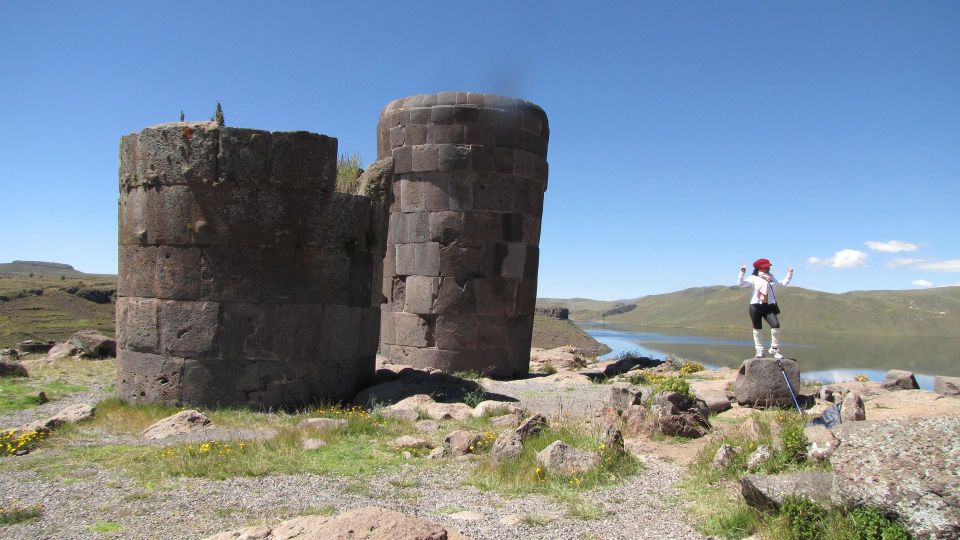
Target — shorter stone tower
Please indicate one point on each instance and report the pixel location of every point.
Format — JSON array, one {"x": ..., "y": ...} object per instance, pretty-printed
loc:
[
  {"x": 460, "y": 272},
  {"x": 244, "y": 279}
]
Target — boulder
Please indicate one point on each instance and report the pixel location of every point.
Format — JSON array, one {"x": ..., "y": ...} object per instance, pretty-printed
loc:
[
  {"x": 411, "y": 382},
  {"x": 406, "y": 415},
  {"x": 635, "y": 420},
  {"x": 670, "y": 403},
  {"x": 562, "y": 459},
  {"x": 820, "y": 442},
  {"x": 751, "y": 429},
  {"x": 560, "y": 358},
  {"x": 7, "y": 355},
  {"x": 611, "y": 368},
  {"x": 312, "y": 444},
  {"x": 760, "y": 383},
  {"x": 946, "y": 386},
  {"x": 69, "y": 415},
  {"x": 86, "y": 344},
  {"x": 908, "y": 468},
  {"x": 446, "y": 411},
  {"x": 322, "y": 424},
  {"x": 725, "y": 455},
  {"x": 461, "y": 442},
  {"x": 9, "y": 368},
  {"x": 766, "y": 492},
  {"x": 852, "y": 409},
  {"x": 761, "y": 455},
  {"x": 187, "y": 421},
  {"x": 507, "y": 421},
  {"x": 622, "y": 395},
  {"x": 715, "y": 402},
  {"x": 412, "y": 403},
  {"x": 406, "y": 441},
  {"x": 899, "y": 380},
  {"x": 437, "y": 453},
  {"x": 509, "y": 445},
  {"x": 427, "y": 426},
  {"x": 367, "y": 523},
  {"x": 686, "y": 424},
  {"x": 531, "y": 426},
  {"x": 490, "y": 408}
]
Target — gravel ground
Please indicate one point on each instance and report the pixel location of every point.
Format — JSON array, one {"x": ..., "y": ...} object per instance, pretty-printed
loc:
[
  {"x": 197, "y": 508},
  {"x": 25, "y": 416}
]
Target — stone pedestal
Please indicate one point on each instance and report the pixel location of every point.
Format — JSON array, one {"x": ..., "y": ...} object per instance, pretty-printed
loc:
[
  {"x": 244, "y": 279},
  {"x": 460, "y": 272},
  {"x": 760, "y": 383}
]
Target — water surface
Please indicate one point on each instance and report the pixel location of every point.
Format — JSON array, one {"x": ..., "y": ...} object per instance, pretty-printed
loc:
[{"x": 825, "y": 358}]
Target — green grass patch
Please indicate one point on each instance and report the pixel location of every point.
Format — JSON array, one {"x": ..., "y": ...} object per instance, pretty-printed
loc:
[
  {"x": 535, "y": 520},
  {"x": 13, "y": 514},
  {"x": 21, "y": 392},
  {"x": 523, "y": 476},
  {"x": 105, "y": 527}
]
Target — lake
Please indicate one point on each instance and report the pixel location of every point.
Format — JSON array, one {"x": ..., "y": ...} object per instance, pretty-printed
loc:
[{"x": 825, "y": 358}]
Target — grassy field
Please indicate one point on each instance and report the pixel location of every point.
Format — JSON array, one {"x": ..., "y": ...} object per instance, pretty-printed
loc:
[
  {"x": 40, "y": 308},
  {"x": 927, "y": 312}
]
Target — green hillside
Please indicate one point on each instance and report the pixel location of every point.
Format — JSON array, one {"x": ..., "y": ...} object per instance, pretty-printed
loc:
[{"x": 926, "y": 312}]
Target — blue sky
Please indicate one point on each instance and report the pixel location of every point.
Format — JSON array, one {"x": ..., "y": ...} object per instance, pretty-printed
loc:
[{"x": 686, "y": 137}]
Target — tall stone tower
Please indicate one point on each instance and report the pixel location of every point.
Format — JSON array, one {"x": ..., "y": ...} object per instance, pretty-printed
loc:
[
  {"x": 244, "y": 279},
  {"x": 460, "y": 272}
]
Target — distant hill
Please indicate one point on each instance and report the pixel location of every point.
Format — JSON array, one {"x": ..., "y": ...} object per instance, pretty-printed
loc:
[
  {"x": 924, "y": 312},
  {"x": 41, "y": 268}
]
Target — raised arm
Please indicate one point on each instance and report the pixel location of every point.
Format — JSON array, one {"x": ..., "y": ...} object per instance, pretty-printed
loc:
[
  {"x": 741, "y": 282},
  {"x": 786, "y": 280}
]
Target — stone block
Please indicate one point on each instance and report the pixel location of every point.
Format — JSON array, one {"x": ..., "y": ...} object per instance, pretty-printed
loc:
[
  {"x": 482, "y": 226},
  {"x": 454, "y": 297},
  {"x": 149, "y": 378},
  {"x": 421, "y": 293},
  {"x": 435, "y": 189},
  {"x": 492, "y": 332},
  {"x": 178, "y": 153},
  {"x": 388, "y": 333},
  {"x": 244, "y": 155},
  {"x": 482, "y": 134},
  {"x": 178, "y": 273},
  {"x": 303, "y": 160},
  {"x": 514, "y": 260},
  {"x": 360, "y": 277},
  {"x": 462, "y": 260},
  {"x": 441, "y": 115},
  {"x": 482, "y": 158},
  {"x": 134, "y": 215},
  {"x": 456, "y": 331},
  {"x": 403, "y": 160},
  {"x": 298, "y": 333},
  {"x": 248, "y": 330},
  {"x": 493, "y": 193},
  {"x": 454, "y": 157},
  {"x": 445, "y": 134},
  {"x": 369, "y": 331},
  {"x": 231, "y": 273},
  {"x": 460, "y": 191},
  {"x": 137, "y": 328},
  {"x": 512, "y": 227},
  {"x": 520, "y": 334},
  {"x": 389, "y": 263},
  {"x": 128, "y": 162},
  {"x": 341, "y": 329},
  {"x": 531, "y": 230},
  {"x": 138, "y": 271},
  {"x": 413, "y": 330},
  {"x": 411, "y": 195},
  {"x": 495, "y": 296},
  {"x": 524, "y": 164},
  {"x": 416, "y": 227},
  {"x": 398, "y": 135},
  {"x": 170, "y": 217},
  {"x": 445, "y": 227},
  {"x": 426, "y": 157},
  {"x": 189, "y": 329},
  {"x": 426, "y": 259},
  {"x": 416, "y": 134},
  {"x": 531, "y": 267},
  {"x": 397, "y": 228},
  {"x": 398, "y": 292}
]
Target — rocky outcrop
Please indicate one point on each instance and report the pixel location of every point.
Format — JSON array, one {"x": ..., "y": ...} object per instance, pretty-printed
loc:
[
  {"x": 899, "y": 380},
  {"x": 367, "y": 523},
  {"x": 908, "y": 468},
  {"x": 461, "y": 442},
  {"x": 622, "y": 396},
  {"x": 183, "y": 422},
  {"x": 33, "y": 347},
  {"x": 679, "y": 415},
  {"x": 761, "y": 455},
  {"x": 565, "y": 357},
  {"x": 69, "y": 415},
  {"x": 947, "y": 386},
  {"x": 760, "y": 382},
  {"x": 767, "y": 492},
  {"x": 559, "y": 313},
  {"x": 95, "y": 295},
  {"x": 87, "y": 344}
]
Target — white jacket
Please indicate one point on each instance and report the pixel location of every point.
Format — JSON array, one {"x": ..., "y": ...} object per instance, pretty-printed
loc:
[{"x": 744, "y": 280}]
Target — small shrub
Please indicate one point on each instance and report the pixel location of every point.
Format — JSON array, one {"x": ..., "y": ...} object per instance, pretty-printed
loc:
[
  {"x": 12, "y": 443},
  {"x": 105, "y": 527},
  {"x": 869, "y": 523},
  {"x": 534, "y": 520},
  {"x": 549, "y": 369},
  {"x": 474, "y": 397},
  {"x": 802, "y": 518},
  {"x": 688, "y": 367},
  {"x": 794, "y": 442},
  {"x": 861, "y": 378},
  {"x": 348, "y": 171},
  {"x": 14, "y": 514},
  {"x": 470, "y": 374}
]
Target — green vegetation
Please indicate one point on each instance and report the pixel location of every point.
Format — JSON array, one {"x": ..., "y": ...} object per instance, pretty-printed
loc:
[
  {"x": 473, "y": 397},
  {"x": 523, "y": 475},
  {"x": 934, "y": 312},
  {"x": 13, "y": 514},
  {"x": 348, "y": 171},
  {"x": 105, "y": 527},
  {"x": 549, "y": 333},
  {"x": 218, "y": 114},
  {"x": 56, "y": 380}
]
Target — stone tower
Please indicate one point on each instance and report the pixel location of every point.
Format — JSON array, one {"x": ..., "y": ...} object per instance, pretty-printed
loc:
[
  {"x": 244, "y": 279},
  {"x": 460, "y": 272}
]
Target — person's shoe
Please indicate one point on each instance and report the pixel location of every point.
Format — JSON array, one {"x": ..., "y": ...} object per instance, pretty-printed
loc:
[
  {"x": 759, "y": 353},
  {"x": 776, "y": 353}
]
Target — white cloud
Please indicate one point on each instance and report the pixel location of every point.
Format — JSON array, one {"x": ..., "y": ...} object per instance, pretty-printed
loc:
[
  {"x": 922, "y": 283},
  {"x": 845, "y": 258},
  {"x": 952, "y": 265},
  {"x": 891, "y": 246}
]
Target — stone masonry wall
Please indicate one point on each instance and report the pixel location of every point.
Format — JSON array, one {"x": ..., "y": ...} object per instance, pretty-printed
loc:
[
  {"x": 460, "y": 272},
  {"x": 244, "y": 279}
]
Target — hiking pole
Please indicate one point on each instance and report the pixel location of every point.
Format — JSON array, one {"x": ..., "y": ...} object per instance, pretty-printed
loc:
[{"x": 793, "y": 394}]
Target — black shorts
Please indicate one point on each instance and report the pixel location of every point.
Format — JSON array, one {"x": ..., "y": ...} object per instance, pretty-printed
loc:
[{"x": 759, "y": 312}]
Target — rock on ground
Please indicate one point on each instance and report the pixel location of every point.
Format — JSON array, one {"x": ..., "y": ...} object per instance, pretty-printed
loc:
[
  {"x": 760, "y": 382},
  {"x": 10, "y": 368},
  {"x": 183, "y": 422},
  {"x": 368, "y": 523},
  {"x": 768, "y": 491},
  {"x": 85, "y": 344},
  {"x": 909, "y": 468},
  {"x": 563, "y": 459},
  {"x": 946, "y": 386},
  {"x": 899, "y": 380}
]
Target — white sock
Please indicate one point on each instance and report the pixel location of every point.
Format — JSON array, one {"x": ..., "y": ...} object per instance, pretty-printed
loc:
[
  {"x": 774, "y": 338},
  {"x": 757, "y": 342}
]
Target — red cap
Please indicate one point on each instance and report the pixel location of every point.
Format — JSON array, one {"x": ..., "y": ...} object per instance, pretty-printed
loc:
[{"x": 761, "y": 263}]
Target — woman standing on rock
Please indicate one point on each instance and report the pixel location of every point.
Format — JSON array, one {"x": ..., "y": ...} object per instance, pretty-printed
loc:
[{"x": 763, "y": 303}]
